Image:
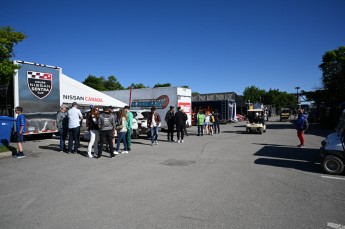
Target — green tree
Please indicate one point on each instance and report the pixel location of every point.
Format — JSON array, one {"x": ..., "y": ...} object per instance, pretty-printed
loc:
[
  {"x": 254, "y": 94},
  {"x": 137, "y": 86},
  {"x": 8, "y": 39},
  {"x": 162, "y": 85},
  {"x": 101, "y": 84},
  {"x": 95, "y": 82},
  {"x": 112, "y": 84},
  {"x": 195, "y": 93},
  {"x": 333, "y": 75},
  {"x": 280, "y": 99}
]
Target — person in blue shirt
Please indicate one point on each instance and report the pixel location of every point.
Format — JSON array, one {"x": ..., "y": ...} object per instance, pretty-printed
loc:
[
  {"x": 302, "y": 118},
  {"x": 20, "y": 130}
]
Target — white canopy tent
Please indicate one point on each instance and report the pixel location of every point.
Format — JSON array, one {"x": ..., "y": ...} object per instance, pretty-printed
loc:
[{"x": 73, "y": 91}]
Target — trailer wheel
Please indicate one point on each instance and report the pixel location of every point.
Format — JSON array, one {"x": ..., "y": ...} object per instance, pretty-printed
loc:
[{"x": 332, "y": 165}]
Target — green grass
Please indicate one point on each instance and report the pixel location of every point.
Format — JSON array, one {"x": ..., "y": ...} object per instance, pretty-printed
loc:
[{"x": 6, "y": 149}]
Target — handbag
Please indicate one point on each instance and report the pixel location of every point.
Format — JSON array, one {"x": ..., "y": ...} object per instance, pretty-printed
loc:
[{"x": 119, "y": 127}]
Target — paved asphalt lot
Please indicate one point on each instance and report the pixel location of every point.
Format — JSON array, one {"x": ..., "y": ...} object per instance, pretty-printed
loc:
[{"x": 230, "y": 180}]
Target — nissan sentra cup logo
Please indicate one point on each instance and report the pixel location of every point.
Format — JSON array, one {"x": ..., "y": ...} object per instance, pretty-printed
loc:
[{"x": 39, "y": 83}]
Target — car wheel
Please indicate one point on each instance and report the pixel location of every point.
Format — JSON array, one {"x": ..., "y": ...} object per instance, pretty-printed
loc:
[
  {"x": 135, "y": 134},
  {"x": 332, "y": 165}
]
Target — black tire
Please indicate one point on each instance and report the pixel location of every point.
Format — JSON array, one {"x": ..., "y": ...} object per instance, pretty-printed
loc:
[
  {"x": 332, "y": 165},
  {"x": 135, "y": 135}
]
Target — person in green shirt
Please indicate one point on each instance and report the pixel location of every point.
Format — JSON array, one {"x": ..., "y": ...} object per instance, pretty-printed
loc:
[
  {"x": 200, "y": 120},
  {"x": 129, "y": 125}
]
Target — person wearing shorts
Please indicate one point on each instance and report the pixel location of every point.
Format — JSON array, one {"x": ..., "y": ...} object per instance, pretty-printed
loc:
[{"x": 20, "y": 130}]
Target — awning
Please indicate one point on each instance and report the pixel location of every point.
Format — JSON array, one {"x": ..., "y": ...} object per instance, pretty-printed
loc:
[{"x": 74, "y": 91}]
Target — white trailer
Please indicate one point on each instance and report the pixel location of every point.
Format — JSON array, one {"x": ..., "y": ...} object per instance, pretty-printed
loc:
[
  {"x": 161, "y": 97},
  {"x": 42, "y": 89}
]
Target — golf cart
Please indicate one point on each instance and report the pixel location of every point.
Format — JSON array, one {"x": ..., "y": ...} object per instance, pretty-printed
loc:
[
  {"x": 285, "y": 114},
  {"x": 333, "y": 149},
  {"x": 255, "y": 121}
]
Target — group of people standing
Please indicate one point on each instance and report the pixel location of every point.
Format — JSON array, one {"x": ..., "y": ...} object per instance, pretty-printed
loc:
[
  {"x": 178, "y": 119},
  {"x": 103, "y": 128},
  {"x": 207, "y": 122}
]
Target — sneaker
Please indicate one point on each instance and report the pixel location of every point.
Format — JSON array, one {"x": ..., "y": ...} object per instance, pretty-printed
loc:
[
  {"x": 90, "y": 156},
  {"x": 116, "y": 153},
  {"x": 125, "y": 152},
  {"x": 20, "y": 155},
  {"x": 178, "y": 141},
  {"x": 151, "y": 144},
  {"x": 300, "y": 146},
  {"x": 156, "y": 143},
  {"x": 182, "y": 141}
]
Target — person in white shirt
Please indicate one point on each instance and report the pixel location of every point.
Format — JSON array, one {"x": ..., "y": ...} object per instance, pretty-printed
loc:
[
  {"x": 74, "y": 119},
  {"x": 153, "y": 122}
]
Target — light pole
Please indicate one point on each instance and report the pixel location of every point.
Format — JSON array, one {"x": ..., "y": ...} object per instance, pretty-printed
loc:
[{"x": 299, "y": 105}]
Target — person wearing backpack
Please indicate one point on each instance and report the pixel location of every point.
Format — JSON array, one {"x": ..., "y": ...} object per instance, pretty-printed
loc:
[
  {"x": 301, "y": 123},
  {"x": 106, "y": 126}
]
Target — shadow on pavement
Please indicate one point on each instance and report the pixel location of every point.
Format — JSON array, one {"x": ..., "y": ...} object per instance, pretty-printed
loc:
[{"x": 286, "y": 157}]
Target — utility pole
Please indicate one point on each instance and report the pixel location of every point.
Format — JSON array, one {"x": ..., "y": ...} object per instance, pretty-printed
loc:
[{"x": 299, "y": 105}]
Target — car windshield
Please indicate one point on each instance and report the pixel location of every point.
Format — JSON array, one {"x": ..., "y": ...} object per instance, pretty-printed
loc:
[{"x": 146, "y": 114}]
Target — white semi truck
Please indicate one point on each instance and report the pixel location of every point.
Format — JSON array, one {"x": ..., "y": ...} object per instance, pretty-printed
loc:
[
  {"x": 161, "y": 98},
  {"x": 41, "y": 90}
]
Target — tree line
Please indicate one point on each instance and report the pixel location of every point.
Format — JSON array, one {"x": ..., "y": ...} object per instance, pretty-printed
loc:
[{"x": 112, "y": 83}]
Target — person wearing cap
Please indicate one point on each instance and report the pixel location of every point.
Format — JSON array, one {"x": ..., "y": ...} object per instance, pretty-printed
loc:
[
  {"x": 170, "y": 120},
  {"x": 153, "y": 122},
  {"x": 62, "y": 125},
  {"x": 74, "y": 117},
  {"x": 129, "y": 125}
]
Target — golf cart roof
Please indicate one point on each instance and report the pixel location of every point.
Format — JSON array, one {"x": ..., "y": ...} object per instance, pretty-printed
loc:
[{"x": 256, "y": 110}]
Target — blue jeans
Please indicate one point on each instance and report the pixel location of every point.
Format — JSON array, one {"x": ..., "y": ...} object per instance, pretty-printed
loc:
[
  {"x": 73, "y": 135},
  {"x": 121, "y": 136},
  {"x": 63, "y": 136},
  {"x": 154, "y": 134}
]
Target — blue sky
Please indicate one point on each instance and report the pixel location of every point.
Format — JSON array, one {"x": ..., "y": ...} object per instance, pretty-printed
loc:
[{"x": 210, "y": 46}]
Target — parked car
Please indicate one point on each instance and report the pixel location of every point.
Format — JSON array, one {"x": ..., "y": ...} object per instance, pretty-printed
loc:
[{"x": 141, "y": 117}]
